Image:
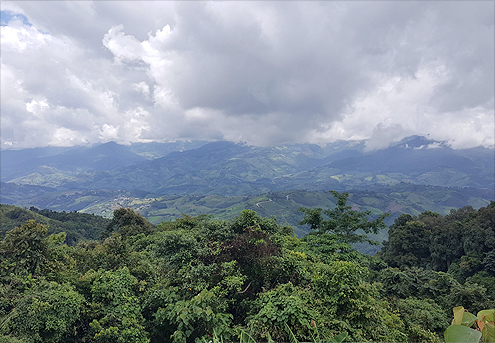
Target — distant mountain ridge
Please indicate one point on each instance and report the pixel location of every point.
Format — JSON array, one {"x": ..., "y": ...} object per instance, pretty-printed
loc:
[
  {"x": 227, "y": 168},
  {"x": 419, "y": 142},
  {"x": 80, "y": 159},
  {"x": 165, "y": 180}
]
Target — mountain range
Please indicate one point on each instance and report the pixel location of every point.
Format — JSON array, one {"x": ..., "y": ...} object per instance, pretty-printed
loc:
[
  {"x": 79, "y": 178},
  {"x": 228, "y": 168},
  {"x": 163, "y": 181}
]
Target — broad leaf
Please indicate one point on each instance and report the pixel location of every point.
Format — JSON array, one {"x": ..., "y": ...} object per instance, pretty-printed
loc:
[
  {"x": 461, "y": 333},
  {"x": 488, "y": 333},
  {"x": 489, "y": 315},
  {"x": 458, "y": 315},
  {"x": 468, "y": 319}
]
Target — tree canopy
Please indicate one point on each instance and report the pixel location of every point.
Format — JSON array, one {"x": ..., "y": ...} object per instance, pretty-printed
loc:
[
  {"x": 198, "y": 279},
  {"x": 345, "y": 224}
]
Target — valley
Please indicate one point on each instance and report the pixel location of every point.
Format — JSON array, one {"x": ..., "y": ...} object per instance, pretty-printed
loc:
[{"x": 164, "y": 181}]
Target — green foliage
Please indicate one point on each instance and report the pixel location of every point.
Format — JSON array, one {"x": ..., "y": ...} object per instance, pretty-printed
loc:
[
  {"x": 416, "y": 282},
  {"x": 461, "y": 331},
  {"x": 254, "y": 251},
  {"x": 415, "y": 313},
  {"x": 472, "y": 295},
  {"x": 11, "y": 339},
  {"x": 483, "y": 279},
  {"x": 200, "y": 279},
  {"x": 352, "y": 303},
  {"x": 327, "y": 247},
  {"x": 78, "y": 226},
  {"x": 127, "y": 223},
  {"x": 284, "y": 305},
  {"x": 45, "y": 313},
  {"x": 461, "y": 243},
  {"x": 338, "y": 280},
  {"x": 175, "y": 248},
  {"x": 343, "y": 221},
  {"x": 249, "y": 218},
  {"x": 202, "y": 315},
  {"x": 24, "y": 249},
  {"x": 120, "y": 318}
]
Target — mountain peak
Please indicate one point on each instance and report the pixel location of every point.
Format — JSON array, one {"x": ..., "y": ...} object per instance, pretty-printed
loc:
[{"x": 418, "y": 142}]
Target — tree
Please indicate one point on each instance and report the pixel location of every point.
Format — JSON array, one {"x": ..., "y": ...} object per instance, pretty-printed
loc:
[
  {"x": 285, "y": 305},
  {"x": 46, "y": 312},
  {"x": 196, "y": 318},
  {"x": 128, "y": 223},
  {"x": 408, "y": 244},
  {"x": 424, "y": 320},
  {"x": 120, "y": 317},
  {"x": 24, "y": 248},
  {"x": 343, "y": 221}
]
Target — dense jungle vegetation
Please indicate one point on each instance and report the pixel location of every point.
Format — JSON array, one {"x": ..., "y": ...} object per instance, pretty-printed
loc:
[{"x": 199, "y": 279}]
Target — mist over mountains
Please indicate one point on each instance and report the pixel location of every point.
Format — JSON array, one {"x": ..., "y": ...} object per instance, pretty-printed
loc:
[{"x": 227, "y": 168}]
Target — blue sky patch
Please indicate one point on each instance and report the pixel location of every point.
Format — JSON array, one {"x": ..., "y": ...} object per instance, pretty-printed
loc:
[{"x": 7, "y": 16}]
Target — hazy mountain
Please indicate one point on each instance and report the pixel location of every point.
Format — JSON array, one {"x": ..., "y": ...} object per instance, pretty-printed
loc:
[
  {"x": 419, "y": 161},
  {"x": 224, "y": 167},
  {"x": 22, "y": 166},
  {"x": 165, "y": 180},
  {"x": 154, "y": 150},
  {"x": 227, "y": 168},
  {"x": 15, "y": 162},
  {"x": 106, "y": 156}
]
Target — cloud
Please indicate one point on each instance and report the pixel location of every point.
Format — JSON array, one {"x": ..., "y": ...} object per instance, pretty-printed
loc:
[
  {"x": 142, "y": 87},
  {"x": 261, "y": 72}
]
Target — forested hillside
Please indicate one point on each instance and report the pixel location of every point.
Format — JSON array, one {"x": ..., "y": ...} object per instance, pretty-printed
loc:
[
  {"x": 402, "y": 198},
  {"x": 77, "y": 226},
  {"x": 247, "y": 279},
  {"x": 284, "y": 205}
]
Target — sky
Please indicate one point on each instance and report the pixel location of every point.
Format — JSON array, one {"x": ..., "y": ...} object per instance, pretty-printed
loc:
[{"x": 85, "y": 72}]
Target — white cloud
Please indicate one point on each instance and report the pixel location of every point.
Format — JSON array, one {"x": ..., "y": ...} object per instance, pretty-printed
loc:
[
  {"x": 261, "y": 72},
  {"x": 123, "y": 47},
  {"x": 142, "y": 87},
  {"x": 66, "y": 137},
  {"x": 36, "y": 107},
  {"x": 108, "y": 132}
]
